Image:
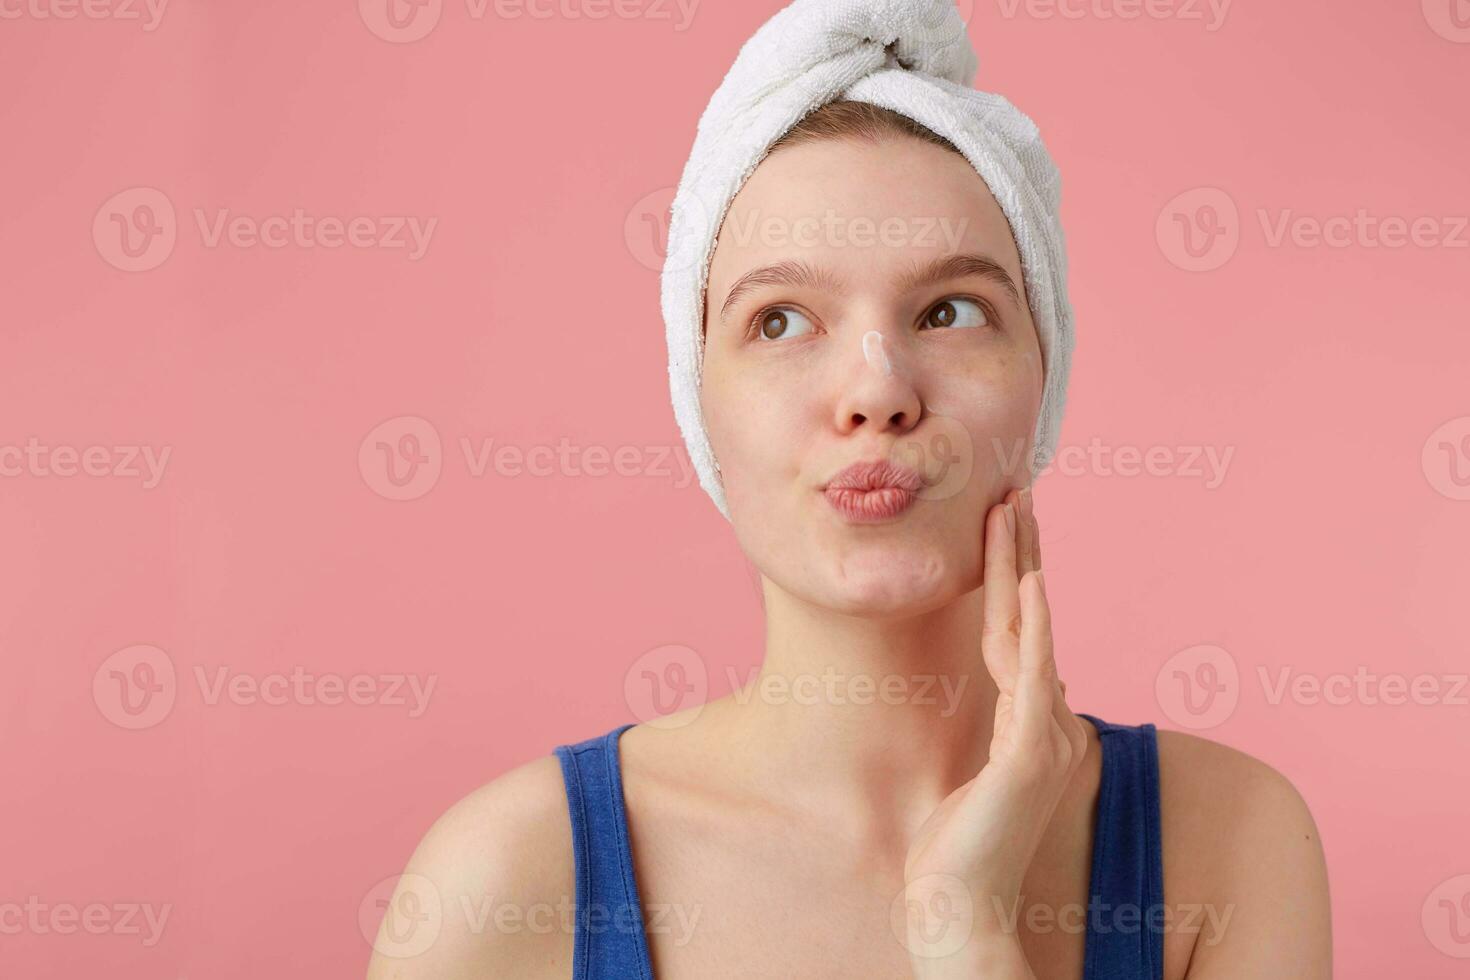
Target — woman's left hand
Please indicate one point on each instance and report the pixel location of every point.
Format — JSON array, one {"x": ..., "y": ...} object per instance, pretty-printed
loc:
[{"x": 969, "y": 858}]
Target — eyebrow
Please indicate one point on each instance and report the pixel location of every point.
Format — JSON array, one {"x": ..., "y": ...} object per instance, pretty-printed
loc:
[
  {"x": 792, "y": 272},
  {"x": 798, "y": 273}
]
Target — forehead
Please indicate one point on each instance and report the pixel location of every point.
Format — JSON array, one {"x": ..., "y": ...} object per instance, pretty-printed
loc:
[{"x": 865, "y": 211}]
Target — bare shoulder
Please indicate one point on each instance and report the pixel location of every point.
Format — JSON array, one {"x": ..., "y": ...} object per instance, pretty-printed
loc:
[
  {"x": 1225, "y": 796},
  {"x": 489, "y": 890},
  {"x": 1242, "y": 853}
]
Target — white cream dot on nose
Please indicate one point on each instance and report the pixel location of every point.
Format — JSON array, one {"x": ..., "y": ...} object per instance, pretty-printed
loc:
[{"x": 874, "y": 353}]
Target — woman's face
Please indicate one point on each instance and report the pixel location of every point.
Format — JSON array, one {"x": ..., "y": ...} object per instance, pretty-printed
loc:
[{"x": 866, "y": 305}]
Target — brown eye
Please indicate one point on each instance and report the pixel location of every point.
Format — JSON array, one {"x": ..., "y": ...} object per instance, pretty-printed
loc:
[
  {"x": 943, "y": 315},
  {"x": 777, "y": 324},
  {"x": 955, "y": 313}
]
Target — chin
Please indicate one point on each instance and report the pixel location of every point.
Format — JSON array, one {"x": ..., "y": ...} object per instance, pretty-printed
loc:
[{"x": 887, "y": 582}]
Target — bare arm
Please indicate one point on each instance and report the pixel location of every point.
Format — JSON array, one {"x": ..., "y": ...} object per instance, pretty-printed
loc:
[
  {"x": 489, "y": 890},
  {"x": 1266, "y": 909}
]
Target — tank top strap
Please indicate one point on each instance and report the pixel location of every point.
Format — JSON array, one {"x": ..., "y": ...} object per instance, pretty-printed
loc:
[
  {"x": 1125, "y": 915},
  {"x": 610, "y": 943}
]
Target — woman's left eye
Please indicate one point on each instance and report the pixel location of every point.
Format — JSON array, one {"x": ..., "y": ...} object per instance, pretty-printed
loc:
[{"x": 955, "y": 312}]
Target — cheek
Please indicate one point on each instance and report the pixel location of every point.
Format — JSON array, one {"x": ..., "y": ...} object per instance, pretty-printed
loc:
[
  {"x": 758, "y": 427},
  {"x": 995, "y": 403}
]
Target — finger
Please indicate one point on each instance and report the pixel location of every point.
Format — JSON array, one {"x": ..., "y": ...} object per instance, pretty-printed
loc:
[
  {"x": 1069, "y": 738},
  {"x": 1036, "y": 688},
  {"x": 1035, "y": 535},
  {"x": 1000, "y": 634},
  {"x": 1025, "y": 534}
]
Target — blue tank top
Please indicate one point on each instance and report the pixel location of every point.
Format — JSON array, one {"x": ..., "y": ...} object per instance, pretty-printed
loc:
[{"x": 1124, "y": 940}]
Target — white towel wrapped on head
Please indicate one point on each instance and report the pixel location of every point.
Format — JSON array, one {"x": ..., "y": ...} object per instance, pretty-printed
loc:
[{"x": 915, "y": 58}]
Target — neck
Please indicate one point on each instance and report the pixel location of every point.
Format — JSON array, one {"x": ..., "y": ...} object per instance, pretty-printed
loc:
[{"x": 875, "y": 721}]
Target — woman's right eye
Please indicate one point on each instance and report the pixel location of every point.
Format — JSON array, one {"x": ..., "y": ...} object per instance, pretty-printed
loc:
[{"x": 780, "y": 322}]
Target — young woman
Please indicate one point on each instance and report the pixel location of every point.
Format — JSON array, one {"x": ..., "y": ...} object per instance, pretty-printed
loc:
[{"x": 950, "y": 815}]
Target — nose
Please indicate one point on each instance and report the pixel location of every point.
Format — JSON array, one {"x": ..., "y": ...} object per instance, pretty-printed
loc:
[{"x": 879, "y": 394}]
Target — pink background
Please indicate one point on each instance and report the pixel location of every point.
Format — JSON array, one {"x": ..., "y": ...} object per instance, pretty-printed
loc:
[{"x": 546, "y": 149}]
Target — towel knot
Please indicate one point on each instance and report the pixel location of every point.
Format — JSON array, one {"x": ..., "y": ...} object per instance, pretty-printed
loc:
[
  {"x": 928, "y": 36},
  {"x": 893, "y": 60}
]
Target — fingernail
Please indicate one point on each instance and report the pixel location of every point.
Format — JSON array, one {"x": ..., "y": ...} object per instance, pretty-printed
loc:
[
  {"x": 1010, "y": 519},
  {"x": 1041, "y": 581},
  {"x": 1026, "y": 502}
]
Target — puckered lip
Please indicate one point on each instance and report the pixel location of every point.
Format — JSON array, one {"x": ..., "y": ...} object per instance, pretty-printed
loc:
[{"x": 877, "y": 474}]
